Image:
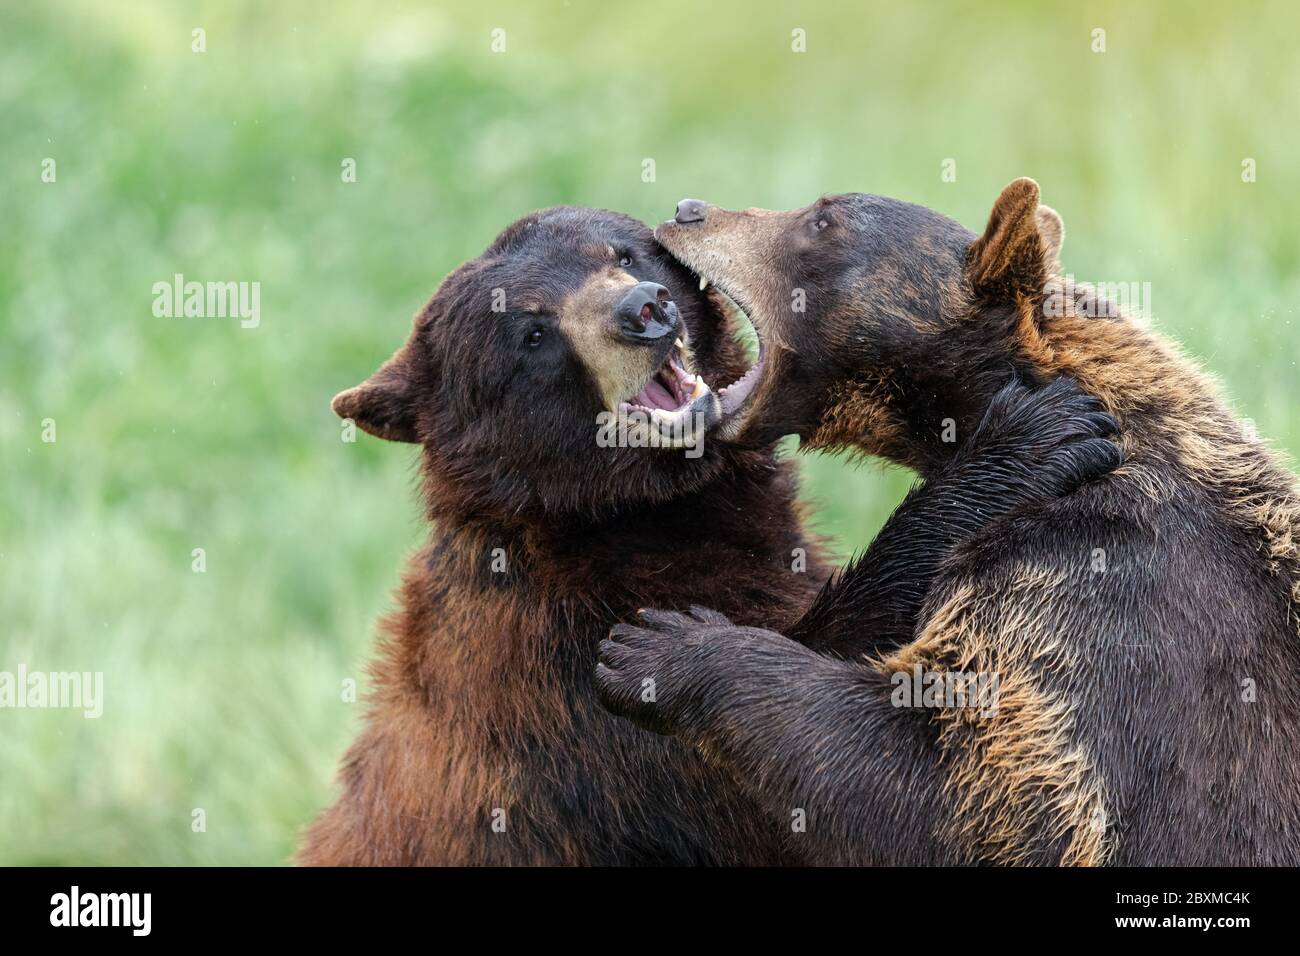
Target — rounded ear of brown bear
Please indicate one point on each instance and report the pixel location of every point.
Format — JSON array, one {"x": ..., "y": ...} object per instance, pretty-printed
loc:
[
  {"x": 1011, "y": 258},
  {"x": 1051, "y": 231},
  {"x": 383, "y": 404}
]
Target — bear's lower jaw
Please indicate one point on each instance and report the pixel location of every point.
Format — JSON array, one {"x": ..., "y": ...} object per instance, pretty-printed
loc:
[
  {"x": 735, "y": 396},
  {"x": 672, "y": 410},
  {"x": 675, "y": 400},
  {"x": 672, "y": 387},
  {"x": 635, "y": 427}
]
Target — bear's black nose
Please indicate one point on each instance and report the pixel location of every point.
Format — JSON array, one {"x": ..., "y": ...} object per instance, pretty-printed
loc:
[
  {"x": 647, "y": 312},
  {"x": 690, "y": 210}
]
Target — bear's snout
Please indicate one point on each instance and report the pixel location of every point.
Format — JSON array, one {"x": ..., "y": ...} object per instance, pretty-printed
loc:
[
  {"x": 647, "y": 313},
  {"x": 690, "y": 210}
]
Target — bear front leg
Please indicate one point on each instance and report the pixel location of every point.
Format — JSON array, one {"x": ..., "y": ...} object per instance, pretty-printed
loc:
[
  {"x": 1030, "y": 447},
  {"x": 814, "y": 740}
]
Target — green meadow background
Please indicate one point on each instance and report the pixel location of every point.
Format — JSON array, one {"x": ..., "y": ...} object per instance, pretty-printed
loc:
[{"x": 223, "y": 689}]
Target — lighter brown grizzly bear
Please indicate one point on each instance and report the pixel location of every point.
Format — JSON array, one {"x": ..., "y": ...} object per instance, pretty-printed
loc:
[
  {"x": 485, "y": 742},
  {"x": 1143, "y": 631}
]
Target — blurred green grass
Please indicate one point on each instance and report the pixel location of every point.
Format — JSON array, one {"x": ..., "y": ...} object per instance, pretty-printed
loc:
[{"x": 223, "y": 689}]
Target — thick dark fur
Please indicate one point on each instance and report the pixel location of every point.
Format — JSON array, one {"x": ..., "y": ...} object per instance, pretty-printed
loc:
[
  {"x": 1144, "y": 628},
  {"x": 484, "y": 709}
]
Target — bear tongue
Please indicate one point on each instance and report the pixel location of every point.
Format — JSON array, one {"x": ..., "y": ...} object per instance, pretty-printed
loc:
[{"x": 654, "y": 395}]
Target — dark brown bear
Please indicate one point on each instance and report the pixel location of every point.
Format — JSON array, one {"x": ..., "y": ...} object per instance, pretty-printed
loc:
[
  {"x": 485, "y": 742},
  {"x": 1142, "y": 631}
]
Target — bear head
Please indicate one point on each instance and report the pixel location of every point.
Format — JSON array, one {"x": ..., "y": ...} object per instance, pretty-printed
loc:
[
  {"x": 886, "y": 326},
  {"x": 566, "y": 371}
]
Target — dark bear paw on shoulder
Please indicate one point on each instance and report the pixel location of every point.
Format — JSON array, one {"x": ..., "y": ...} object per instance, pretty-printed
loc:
[{"x": 1048, "y": 441}]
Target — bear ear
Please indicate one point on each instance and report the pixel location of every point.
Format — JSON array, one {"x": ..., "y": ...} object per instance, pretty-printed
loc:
[
  {"x": 1051, "y": 231},
  {"x": 1012, "y": 257},
  {"x": 384, "y": 404}
]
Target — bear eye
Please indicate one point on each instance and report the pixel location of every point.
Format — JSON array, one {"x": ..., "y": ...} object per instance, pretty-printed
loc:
[
  {"x": 822, "y": 223},
  {"x": 625, "y": 260},
  {"x": 535, "y": 337}
]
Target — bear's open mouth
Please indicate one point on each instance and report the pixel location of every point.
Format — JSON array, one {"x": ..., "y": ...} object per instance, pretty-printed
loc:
[
  {"x": 676, "y": 400},
  {"x": 673, "y": 391},
  {"x": 712, "y": 265},
  {"x": 733, "y": 397}
]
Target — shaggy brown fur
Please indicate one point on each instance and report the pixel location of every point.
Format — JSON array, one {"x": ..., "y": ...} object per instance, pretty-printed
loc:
[
  {"x": 1143, "y": 629},
  {"x": 485, "y": 742}
]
